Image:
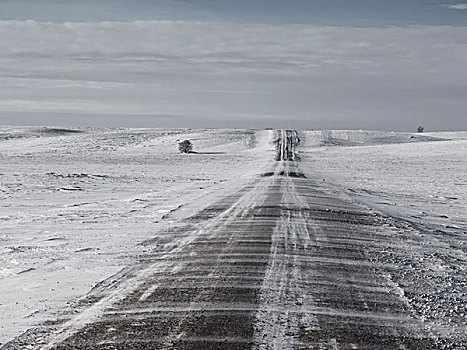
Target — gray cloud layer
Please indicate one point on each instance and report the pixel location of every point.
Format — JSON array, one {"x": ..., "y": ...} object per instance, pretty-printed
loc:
[
  {"x": 457, "y": 6},
  {"x": 316, "y": 12},
  {"x": 179, "y": 73}
]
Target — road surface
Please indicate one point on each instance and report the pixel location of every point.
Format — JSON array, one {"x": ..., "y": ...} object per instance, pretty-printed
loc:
[{"x": 282, "y": 264}]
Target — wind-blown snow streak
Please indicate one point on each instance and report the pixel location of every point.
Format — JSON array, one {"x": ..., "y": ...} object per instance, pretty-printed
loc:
[{"x": 284, "y": 304}]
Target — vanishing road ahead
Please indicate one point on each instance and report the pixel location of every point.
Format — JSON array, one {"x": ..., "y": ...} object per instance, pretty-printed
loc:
[{"x": 282, "y": 264}]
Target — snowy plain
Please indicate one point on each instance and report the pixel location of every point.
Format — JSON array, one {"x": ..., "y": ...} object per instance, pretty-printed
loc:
[
  {"x": 76, "y": 203},
  {"x": 419, "y": 177}
]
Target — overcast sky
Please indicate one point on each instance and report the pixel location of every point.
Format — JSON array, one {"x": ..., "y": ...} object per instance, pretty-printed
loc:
[{"x": 372, "y": 64}]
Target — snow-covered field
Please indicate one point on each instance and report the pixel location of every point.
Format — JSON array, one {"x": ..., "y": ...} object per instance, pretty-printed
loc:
[
  {"x": 418, "y": 177},
  {"x": 76, "y": 203}
]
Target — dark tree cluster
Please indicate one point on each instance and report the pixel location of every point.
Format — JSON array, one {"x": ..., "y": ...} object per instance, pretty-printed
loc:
[{"x": 185, "y": 146}]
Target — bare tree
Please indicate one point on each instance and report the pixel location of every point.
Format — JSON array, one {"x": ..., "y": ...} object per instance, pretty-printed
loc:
[{"x": 185, "y": 146}]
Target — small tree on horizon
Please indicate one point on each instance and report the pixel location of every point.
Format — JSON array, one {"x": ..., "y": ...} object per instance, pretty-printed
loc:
[{"x": 185, "y": 146}]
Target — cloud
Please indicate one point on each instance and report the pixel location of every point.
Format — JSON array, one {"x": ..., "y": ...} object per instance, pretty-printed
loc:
[
  {"x": 457, "y": 6},
  {"x": 75, "y": 106},
  {"x": 225, "y": 70},
  {"x": 197, "y": 46}
]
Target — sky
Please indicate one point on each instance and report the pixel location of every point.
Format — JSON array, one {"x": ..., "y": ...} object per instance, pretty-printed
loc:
[{"x": 304, "y": 64}]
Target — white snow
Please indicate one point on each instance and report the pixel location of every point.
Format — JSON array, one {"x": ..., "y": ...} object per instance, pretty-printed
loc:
[
  {"x": 421, "y": 177},
  {"x": 74, "y": 206}
]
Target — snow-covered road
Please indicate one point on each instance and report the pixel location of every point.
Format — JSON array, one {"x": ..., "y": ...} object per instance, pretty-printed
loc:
[{"x": 282, "y": 262}]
